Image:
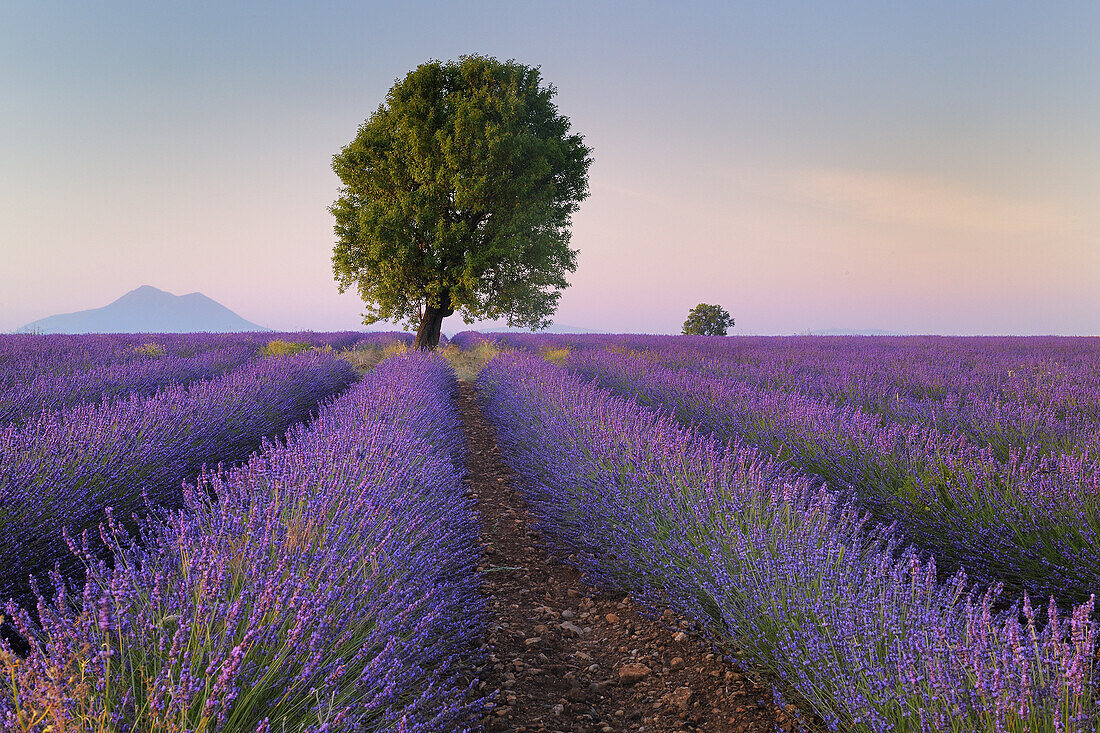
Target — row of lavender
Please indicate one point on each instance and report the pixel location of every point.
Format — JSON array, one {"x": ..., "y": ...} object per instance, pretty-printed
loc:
[
  {"x": 1041, "y": 369},
  {"x": 39, "y": 373},
  {"x": 855, "y": 629},
  {"x": 331, "y": 586},
  {"x": 59, "y": 472},
  {"x": 25, "y": 355},
  {"x": 1032, "y": 521},
  {"x": 1007, "y": 393},
  {"x": 55, "y": 391}
]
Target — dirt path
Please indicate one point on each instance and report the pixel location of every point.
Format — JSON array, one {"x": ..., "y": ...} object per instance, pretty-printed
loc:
[{"x": 564, "y": 658}]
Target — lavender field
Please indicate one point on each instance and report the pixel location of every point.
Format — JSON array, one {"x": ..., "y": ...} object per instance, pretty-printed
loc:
[
  {"x": 206, "y": 533},
  {"x": 181, "y": 581},
  {"x": 902, "y": 532}
]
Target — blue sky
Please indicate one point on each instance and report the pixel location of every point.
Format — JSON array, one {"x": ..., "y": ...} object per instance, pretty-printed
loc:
[{"x": 927, "y": 167}]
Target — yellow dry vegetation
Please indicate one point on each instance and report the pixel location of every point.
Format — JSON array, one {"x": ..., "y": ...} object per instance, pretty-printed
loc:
[
  {"x": 556, "y": 355},
  {"x": 467, "y": 363},
  {"x": 149, "y": 349},
  {"x": 367, "y": 357},
  {"x": 278, "y": 347}
]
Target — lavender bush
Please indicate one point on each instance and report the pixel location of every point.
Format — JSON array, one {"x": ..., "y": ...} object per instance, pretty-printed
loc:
[
  {"x": 26, "y": 356},
  {"x": 1007, "y": 393},
  {"x": 54, "y": 372},
  {"x": 1033, "y": 521},
  {"x": 332, "y": 586},
  {"x": 55, "y": 391},
  {"x": 859, "y": 631},
  {"x": 61, "y": 470}
]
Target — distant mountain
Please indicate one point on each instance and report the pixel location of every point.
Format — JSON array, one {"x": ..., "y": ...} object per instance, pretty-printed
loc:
[
  {"x": 148, "y": 310},
  {"x": 852, "y": 332},
  {"x": 556, "y": 328}
]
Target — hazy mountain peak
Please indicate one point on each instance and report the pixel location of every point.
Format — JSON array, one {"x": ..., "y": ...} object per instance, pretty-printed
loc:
[
  {"x": 145, "y": 292},
  {"x": 147, "y": 309}
]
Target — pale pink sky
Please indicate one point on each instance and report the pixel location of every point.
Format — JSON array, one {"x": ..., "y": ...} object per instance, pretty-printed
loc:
[{"x": 919, "y": 170}]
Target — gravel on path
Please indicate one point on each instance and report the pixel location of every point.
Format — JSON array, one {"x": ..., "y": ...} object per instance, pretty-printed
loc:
[{"x": 565, "y": 657}]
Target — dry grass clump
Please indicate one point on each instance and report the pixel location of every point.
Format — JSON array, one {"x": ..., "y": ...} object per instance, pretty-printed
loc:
[
  {"x": 367, "y": 357},
  {"x": 149, "y": 349},
  {"x": 555, "y": 355},
  {"x": 278, "y": 347},
  {"x": 467, "y": 363}
]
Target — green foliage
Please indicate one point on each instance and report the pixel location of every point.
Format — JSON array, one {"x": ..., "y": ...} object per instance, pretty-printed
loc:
[
  {"x": 707, "y": 320},
  {"x": 283, "y": 348},
  {"x": 457, "y": 195}
]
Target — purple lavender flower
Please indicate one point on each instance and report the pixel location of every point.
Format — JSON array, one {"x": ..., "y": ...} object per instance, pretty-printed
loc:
[{"x": 329, "y": 583}]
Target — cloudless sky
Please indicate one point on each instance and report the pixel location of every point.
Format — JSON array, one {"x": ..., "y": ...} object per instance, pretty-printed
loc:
[{"x": 927, "y": 167}]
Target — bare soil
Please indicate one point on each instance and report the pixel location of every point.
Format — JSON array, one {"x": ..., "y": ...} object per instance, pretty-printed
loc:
[{"x": 566, "y": 657}]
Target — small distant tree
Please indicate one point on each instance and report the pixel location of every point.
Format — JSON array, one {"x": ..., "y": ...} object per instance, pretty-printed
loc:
[
  {"x": 457, "y": 195},
  {"x": 707, "y": 320}
]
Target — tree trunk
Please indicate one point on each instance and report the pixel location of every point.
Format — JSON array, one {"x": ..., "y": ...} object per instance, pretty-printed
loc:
[{"x": 427, "y": 337}]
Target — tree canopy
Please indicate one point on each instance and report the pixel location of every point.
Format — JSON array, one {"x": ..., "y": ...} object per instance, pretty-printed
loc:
[
  {"x": 707, "y": 320},
  {"x": 458, "y": 194}
]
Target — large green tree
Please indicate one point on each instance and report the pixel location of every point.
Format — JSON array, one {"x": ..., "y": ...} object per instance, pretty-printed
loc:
[{"x": 457, "y": 195}]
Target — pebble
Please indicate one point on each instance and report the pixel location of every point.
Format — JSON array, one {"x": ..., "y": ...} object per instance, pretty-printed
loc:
[
  {"x": 681, "y": 697},
  {"x": 572, "y": 628},
  {"x": 585, "y": 685},
  {"x": 633, "y": 673}
]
